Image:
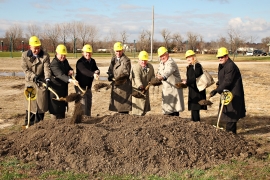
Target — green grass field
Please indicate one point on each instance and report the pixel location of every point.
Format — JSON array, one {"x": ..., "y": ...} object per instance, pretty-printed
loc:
[{"x": 200, "y": 57}]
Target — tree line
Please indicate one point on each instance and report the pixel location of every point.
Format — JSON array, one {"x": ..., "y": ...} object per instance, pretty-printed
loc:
[{"x": 76, "y": 34}]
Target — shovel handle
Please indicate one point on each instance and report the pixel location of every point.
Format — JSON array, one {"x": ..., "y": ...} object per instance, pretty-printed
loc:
[
  {"x": 146, "y": 88},
  {"x": 28, "y": 113},
  {"x": 78, "y": 85},
  {"x": 50, "y": 89},
  {"x": 219, "y": 115}
]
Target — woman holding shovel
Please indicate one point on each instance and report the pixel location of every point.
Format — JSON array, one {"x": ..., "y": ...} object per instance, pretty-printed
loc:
[
  {"x": 141, "y": 75},
  {"x": 61, "y": 76},
  {"x": 194, "y": 70}
]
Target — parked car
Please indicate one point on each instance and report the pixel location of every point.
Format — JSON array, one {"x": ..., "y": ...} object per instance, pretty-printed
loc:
[
  {"x": 259, "y": 53},
  {"x": 249, "y": 53}
]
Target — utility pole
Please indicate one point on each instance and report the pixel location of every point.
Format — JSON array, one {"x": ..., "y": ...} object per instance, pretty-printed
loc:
[{"x": 152, "y": 34}]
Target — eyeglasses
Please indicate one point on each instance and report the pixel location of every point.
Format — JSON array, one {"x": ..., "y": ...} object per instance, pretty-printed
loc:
[{"x": 221, "y": 57}]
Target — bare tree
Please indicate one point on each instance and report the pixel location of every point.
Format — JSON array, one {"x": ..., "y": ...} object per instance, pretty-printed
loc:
[
  {"x": 177, "y": 40},
  {"x": 111, "y": 40},
  {"x": 166, "y": 34},
  {"x": 235, "y": 40},
  {"x": 192, "y": 39},
  {"x": 93, "y": 35},
  {"x": 221, "y": 42},
  {"x": 143, "y": 42},
  {"x": 14, "y": 36},
  {"x": 73, "y": 33},
  {"x": 51, "y": 33},
  {"x": 265, "y": 41},
  {"x": 33, "y": 30},
  {"x": 124, "y": 36},
  {"x": 64, "y": 33},
  {"x": 83, "y": 32},
  {"x": 200, "y": 43}
]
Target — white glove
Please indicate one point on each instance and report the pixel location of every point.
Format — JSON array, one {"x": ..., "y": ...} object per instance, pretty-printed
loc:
[
  {"x": 75, "y": 82},
  {"x": 96, "y": 76}
]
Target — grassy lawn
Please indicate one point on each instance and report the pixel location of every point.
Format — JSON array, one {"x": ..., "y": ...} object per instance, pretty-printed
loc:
[
  {"x": 201, "y": 57},
  {"x": 249, "y": 169}
]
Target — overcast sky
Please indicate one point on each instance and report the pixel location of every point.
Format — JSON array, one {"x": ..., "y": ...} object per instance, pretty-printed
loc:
[{"x": 209, "y": 18}]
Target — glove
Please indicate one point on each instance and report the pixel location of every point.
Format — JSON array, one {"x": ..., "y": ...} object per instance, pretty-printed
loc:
[
  {"x": 96, "y": 76},
  {"x": 47, "y": 83},
  {"x": 75, "y": 82},
  {"x": 110, "y": 76},
  {"x": 36, "y": 79},
  {"x": 212, "y": 93},
  {"x": 141, "y": 88}
]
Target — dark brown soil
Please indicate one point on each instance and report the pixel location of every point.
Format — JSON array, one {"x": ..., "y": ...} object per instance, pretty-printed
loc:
[
  {"x": 98, "y": 86},
  {"x": 125, "y": 144}
]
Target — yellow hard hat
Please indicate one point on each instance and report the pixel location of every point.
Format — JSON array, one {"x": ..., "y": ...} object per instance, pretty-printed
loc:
[
  {"x": 143, "y": 55},
  {"x": 162, "y": 50},
  {"x": 87, "y": 48},
  {"x": 34, "y": 41},
  {"x": 118, "y": 46},
  {"x": 189, "y": 53},
  {"x": 222, "y": 52},
  {"x": 61, "y": 49}
]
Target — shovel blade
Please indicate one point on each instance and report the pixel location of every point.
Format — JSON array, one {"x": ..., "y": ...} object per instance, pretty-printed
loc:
[{"x": 205, "y": 102}]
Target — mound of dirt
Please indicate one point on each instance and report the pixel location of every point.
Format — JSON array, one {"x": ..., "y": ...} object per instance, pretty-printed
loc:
[{"x": 125, "y": 144}]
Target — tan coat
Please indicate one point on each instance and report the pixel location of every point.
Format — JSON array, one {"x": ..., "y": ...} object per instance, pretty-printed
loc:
[
  {"x": 141, "y": 77},
  {"x": 172, "y": 98},
  {"x": 120, "y": 94},
  {"x": 40, "y": 67}
]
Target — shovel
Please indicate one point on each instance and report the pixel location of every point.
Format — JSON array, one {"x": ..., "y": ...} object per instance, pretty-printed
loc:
[
  {"x": 219, "y": 115},
  {"x": 141, "y": 94},
  {"x": 205, "y": 101},
  {"x": 30, "y": 94},
  {"x": 50, "y": 89},
  {"x": 180, "y": 85},
  {"x": 226, "y": 98},
  {"x": 83, "y": 91}
]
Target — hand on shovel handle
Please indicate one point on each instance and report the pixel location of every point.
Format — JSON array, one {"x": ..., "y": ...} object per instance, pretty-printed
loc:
[{"x": 76, "y": 83}]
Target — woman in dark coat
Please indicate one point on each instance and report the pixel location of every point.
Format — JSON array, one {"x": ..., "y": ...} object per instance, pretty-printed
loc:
[
  {"x": 194, "y": 70},
  {"x": 61, "y": 72},
  {"x": 229, "y": 77}
]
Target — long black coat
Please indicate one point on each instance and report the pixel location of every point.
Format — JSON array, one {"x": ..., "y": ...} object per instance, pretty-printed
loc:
[
  {"x": 59, "y": 83},
  {"x": 194, "y": 95},
  {"x": 229, "y": 77}
]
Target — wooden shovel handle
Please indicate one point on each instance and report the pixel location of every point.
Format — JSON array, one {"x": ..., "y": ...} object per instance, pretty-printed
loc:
[{"x": 78, "y": 85}]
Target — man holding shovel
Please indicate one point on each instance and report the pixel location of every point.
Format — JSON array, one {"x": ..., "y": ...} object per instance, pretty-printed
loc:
[
  {"x": 119, "y": 69},
  {"x": 86, "y": 69},
  {"x": 229, "y": 78},
  {"x": 141, "y": 74},
  {"x": 168, "y": 73},
  {"x": 35, "y": 64},
  {"x": 61, "y": 77}
]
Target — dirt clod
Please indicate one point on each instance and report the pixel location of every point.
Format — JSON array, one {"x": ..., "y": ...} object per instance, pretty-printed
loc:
[{"x": 101, "y": 85}]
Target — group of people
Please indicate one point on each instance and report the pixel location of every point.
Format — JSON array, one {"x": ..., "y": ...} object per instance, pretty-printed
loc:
[{"x": 41, "y": 74}]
